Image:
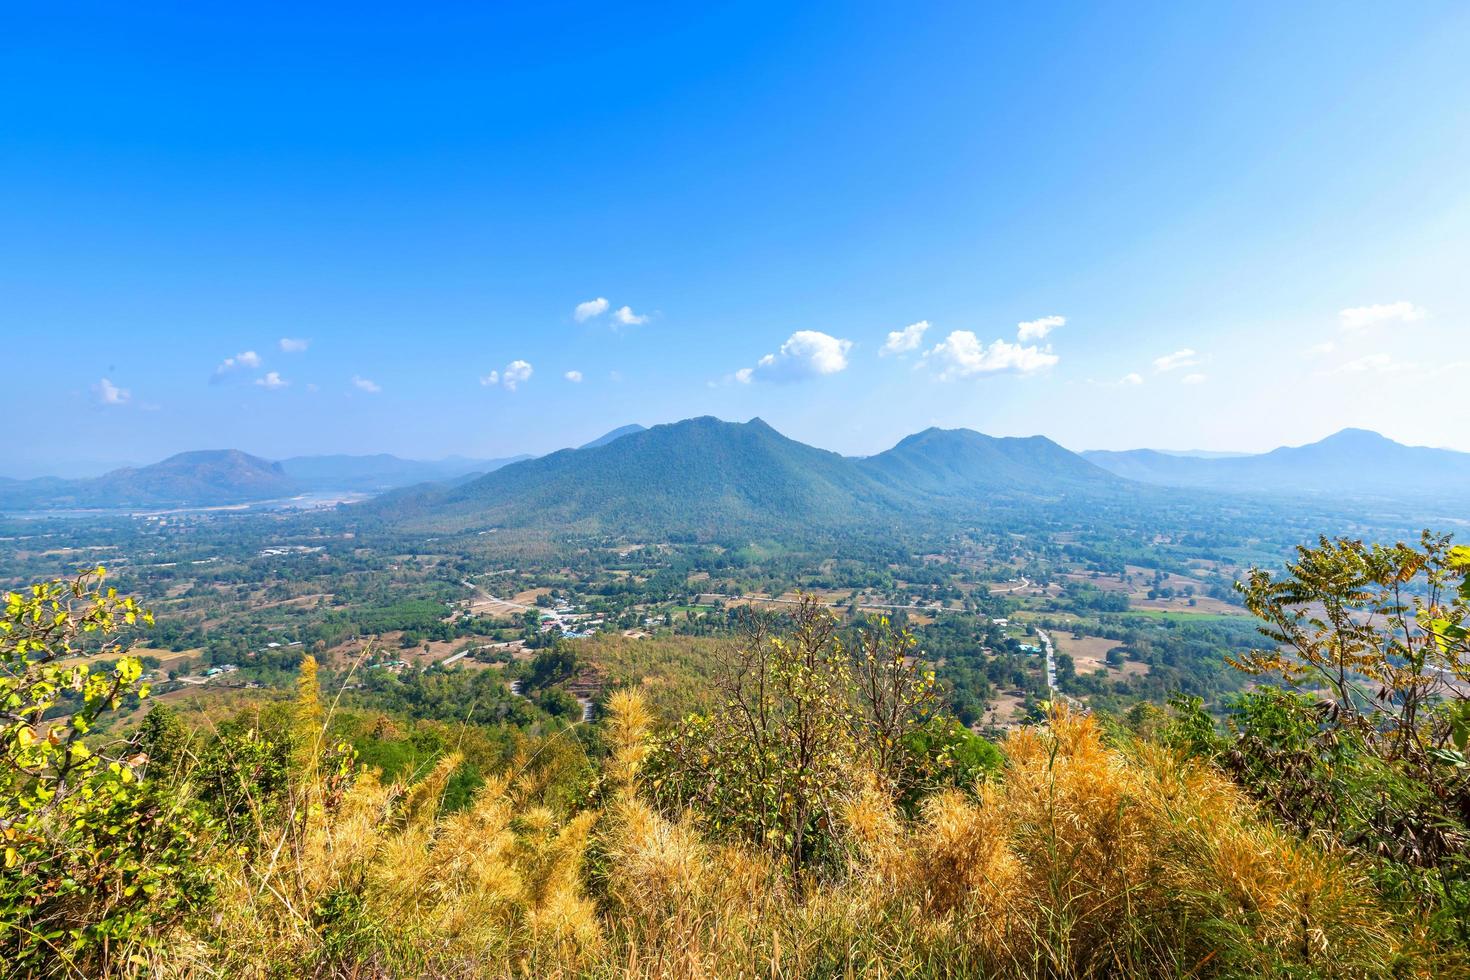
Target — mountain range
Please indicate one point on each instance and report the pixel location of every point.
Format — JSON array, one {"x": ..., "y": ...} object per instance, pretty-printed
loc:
[
  {"x": 1352, "y": 462},
  {"x": 704, "y": 473},
  {"x": 206, "y": 477},
  {"x": 216, "y": 477}
]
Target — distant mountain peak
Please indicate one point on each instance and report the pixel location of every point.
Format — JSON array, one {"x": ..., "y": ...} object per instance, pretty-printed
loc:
[
  {"x": 1359, "y": 436},
  {"x": 198, "y": 456},
  {"x": 197, "y": 477},
  {"x": 632, "y": 428},
  {"x": 1347, "y": 463},
  {"x": 935, "y": 433}
]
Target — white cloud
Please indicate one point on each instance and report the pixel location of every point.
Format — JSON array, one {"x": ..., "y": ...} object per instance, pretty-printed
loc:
[
  {"x": 272, "y": 379},
  {"x": 1132, "y": 378},
  {"x": 1326, "y": 347},
  {"x": 1178, "y": 359},
  {"x": 591, "y": 308},
  {"x": 110, "y": 394},
  {"x": 363, "y": 384},
  {"x": 962, "y": 354},
  {"x": 1038, "y": 329},
  {"x": 626, "y": 316},
  {"x": 1357, "y": 318},
  {"x": 575, "y": 377},
  {"x": 242, "y": 360},
  {"x": 514, "y": 374},
  {"x": 294, "y": 345},
  {"x": 1193, "y": 379},
  {"x": 806, "y": 354},
  {"x": 905, "y": 340}
]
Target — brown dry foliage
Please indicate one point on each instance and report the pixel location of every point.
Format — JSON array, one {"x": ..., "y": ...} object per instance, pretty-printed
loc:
[{"x": 1084, "y": 860}]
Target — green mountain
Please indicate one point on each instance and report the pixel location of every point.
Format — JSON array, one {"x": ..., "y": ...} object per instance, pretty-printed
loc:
[
  {"x": 208, "y": 477},
  {"x": 699, "y": 476},
  {"x": 705, "y": 477},
  {"x": 961, "y": 464},
  {"x": 1346, "y": 463}
]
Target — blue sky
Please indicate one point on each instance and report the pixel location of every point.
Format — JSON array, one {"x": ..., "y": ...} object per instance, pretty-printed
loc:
[{"x": 1253, "y": 219}]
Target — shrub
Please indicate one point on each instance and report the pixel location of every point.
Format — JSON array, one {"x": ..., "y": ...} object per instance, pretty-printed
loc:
[
  {"x": 96, "y": 861},
  {"x": 1366, "y": 747}
]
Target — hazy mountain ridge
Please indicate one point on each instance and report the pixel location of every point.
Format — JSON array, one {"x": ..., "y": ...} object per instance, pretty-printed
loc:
[
  {"x": 1351, "y": 461},
  {"x": 218, "y": 477},
  {"x": 382, "y": 471},
  {"x": 623, "y": 430},
  {"x": 206, "y": 477}
]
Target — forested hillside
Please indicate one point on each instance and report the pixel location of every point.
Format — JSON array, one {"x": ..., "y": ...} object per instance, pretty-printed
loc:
[
  {"x": 972, "y": 466},
  {"x": 705, "y": 477},
  {"x": 698, "y": 476}
]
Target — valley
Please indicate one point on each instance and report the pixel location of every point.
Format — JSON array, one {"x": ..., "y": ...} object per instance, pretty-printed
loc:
[{"x": 982, "y": 547}]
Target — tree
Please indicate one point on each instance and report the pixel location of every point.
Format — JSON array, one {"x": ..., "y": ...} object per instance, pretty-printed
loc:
[
  {"x": 1066, "y": 668},
  {"x": 551, "y": 666},
  {"x": 801, "y": 721},
  {"x": 1367, "y": 745},
  {"x": 1380, "y": 630}
]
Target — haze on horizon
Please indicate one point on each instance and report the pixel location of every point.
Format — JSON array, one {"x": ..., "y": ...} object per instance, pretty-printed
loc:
[{"x": 491, "y": 232}]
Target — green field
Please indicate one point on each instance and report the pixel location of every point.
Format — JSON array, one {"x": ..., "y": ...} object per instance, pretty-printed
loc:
[{"x": 1193, "y": 617}]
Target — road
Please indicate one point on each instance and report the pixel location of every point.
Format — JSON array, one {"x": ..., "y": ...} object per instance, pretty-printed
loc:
[
  {"x": 519, "y": 607},
  {"x": 1051, "y": 662},
  {"x": 1025, "y": 584}
]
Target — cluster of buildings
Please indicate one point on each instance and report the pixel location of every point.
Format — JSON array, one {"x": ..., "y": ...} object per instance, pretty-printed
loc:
[
  {"x": 288, "y": 549},
  {"x": 392, "y": 666},
  {"x": 1005, "y": 626},
  {"x": 564, "y": 619}
]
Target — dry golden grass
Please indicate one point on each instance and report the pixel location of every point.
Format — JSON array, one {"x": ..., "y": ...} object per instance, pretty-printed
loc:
[{"x": 1083, "y": 860}]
